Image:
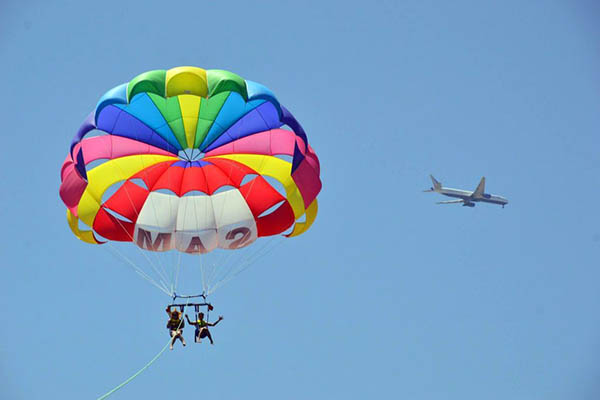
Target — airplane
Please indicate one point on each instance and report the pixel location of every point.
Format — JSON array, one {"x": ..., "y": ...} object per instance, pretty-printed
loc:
[{"x": 466, "y": 197}]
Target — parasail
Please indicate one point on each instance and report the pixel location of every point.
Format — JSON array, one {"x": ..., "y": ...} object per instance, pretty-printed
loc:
[{"x": 189, "y": 160}]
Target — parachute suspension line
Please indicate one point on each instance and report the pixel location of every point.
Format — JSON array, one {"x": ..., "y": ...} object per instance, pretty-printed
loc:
[
  {"x": 247, "y": 262},
  {"x": 224, "y": 269},
  {"x": 266, "y": 249},
  {"x": 221, "y": 269},
  {"x": 162, "y": 275},
  {"x": 202, "y": 274},
  {"x": 208, "y": 268},
  {"x": 139, "y": 271},
  {"x": 217, "y": 266},
  {"x": 145, "y": 367},
  {"x": 215, "y": 269},
  {"x": 242, "y": 267},
  {"x": 174, "y": 263},
  {"x": 177, "y": 269}
]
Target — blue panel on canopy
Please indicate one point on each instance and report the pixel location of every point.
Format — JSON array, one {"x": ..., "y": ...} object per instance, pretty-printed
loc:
[
  {"x": 234, "y": 108},
  {"x": 262, "y": 118},
  {"x": 117, "y": 122},
  {"x": 116, "y": 95},
  {"x": 143, "y": 108}
]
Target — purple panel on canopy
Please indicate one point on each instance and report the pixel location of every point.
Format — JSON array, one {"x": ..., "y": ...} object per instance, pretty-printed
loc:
[
  {"x": 80, "y": 165},
  {"x": 262, "y": 118},
  {"x": 188, "y": 164},
  {"x": 87, "y": 126},
  {"x": 107, "y": 118},
  {"x": 117, "y": 122},
  {"x": 288, "y": 119}
]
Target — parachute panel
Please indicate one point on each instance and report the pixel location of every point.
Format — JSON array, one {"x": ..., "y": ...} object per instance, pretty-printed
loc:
[{"x": 189, "y": 159}]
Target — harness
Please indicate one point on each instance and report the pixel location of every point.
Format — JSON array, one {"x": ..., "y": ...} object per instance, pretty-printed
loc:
[
  {"x": 201, "y": 323},
  {"x": 175, "y": 323}
]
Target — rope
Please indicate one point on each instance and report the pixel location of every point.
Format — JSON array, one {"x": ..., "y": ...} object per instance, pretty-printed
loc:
[
  {"x": 132, "y": 377},
  {"x": 145, "y": 367}
]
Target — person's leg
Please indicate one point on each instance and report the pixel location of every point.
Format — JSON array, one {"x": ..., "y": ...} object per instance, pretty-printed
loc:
[
  {"x": 177, "y": 336},
  {"x": 197, "y": 336},
  {"x": 173, "y": 337},
  {"x": 206, "y": 333}
]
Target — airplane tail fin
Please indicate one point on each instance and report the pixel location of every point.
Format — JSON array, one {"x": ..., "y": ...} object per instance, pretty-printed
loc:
[
  {"x": 480, "y": 188},
  {"x": 436, "y": 185}
]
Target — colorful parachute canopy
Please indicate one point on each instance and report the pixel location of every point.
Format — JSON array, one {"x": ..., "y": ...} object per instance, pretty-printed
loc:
[{"x": 183, "y": 159}]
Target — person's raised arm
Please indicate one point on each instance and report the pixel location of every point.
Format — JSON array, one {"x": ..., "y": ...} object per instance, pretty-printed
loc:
[
  {"x": 168, "y": 310},
  {"x": 217, "y": 321},
  {"x": 188, "y": 320}
]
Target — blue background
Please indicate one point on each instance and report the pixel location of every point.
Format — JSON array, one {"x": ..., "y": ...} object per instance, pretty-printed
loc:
[{"x": 388, "y": 295}]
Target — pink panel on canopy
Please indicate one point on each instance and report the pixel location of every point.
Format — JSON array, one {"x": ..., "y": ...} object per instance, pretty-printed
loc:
[
  {"x": 109, "y": 147},
  {"x": 313, "y": 160},
  {"x": 308, "y": 182},
  {"x": 71, "y": 187},
  {"x": 64, "y": 170},
  {"x": 282, "y": 142},
  {"x": 274, "y": 141},
  {"x": 97, "y": 148}
]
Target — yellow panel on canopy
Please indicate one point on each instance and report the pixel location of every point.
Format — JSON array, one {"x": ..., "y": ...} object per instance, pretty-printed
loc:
[
  {"x": 186, "y": 80},
  {"x": 311, "y": 215},
  {"x": 86, "y": 236},
  {"x": 189, "y": 106},
  {"x": 105, "y": 175},
  {"x": 275, "y": 168}
]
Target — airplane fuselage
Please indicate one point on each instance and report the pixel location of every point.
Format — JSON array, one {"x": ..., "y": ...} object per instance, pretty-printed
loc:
[{"x": 468, "y": 197}]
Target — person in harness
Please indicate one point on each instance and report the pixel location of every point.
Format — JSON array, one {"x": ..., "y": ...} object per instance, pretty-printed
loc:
[
  {"x": 175, "y": 326},
  {"x": 202, "y": 327}
]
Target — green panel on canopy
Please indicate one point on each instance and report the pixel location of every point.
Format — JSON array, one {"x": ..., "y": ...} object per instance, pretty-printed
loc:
[
  {"x": 224, "y": 81},
  {"x": 170, "y": 110},
  {"x": 151, "y": 81},
  {"x": 209, "y": 109}
]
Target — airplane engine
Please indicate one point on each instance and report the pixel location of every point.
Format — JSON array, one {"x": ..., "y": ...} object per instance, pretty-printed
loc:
[{"x": 469, "y": 205}]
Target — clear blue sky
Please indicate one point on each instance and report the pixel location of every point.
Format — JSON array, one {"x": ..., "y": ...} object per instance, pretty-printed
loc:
[{"x": 388, "y": 295}]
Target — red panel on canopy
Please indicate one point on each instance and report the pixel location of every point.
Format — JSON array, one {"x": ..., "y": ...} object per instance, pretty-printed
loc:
[
  {"x": 127, "y": 201},
  {"x": 277, "y": 221},
  {"x": 235, "y": 170},
  {"x": 111, "y": 228}
]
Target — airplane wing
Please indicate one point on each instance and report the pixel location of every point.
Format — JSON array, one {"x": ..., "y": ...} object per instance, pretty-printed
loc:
[
  {"x": 480, "y": 189},
  {"x": 450, "y": 202}
]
